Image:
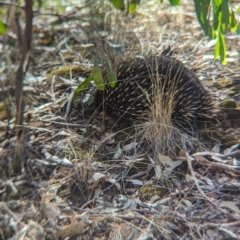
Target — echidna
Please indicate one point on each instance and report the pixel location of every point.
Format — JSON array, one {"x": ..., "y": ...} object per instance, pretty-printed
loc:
[{"x": 135, "y": 91}]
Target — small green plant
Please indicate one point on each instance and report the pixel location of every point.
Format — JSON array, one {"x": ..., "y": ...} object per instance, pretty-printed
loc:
[
  {"x": 2, "y": 28},
  {"x": 97, "y": 77},
  {"x": 2, "y": 25}
]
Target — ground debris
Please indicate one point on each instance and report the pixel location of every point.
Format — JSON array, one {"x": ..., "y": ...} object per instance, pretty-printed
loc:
[{"x": 67, "y": 178}]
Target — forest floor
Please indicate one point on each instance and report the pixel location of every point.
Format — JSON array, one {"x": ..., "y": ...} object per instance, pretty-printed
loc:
[{"x": 66, "y": 178}]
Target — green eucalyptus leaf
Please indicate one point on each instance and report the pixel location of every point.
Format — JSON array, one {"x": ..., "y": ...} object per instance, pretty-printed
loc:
[
  {"x": 97, "y": 77},
  {"x": 238, "y": 28},
  {"x": 174, "y": 2},
  {"x": 119, "y": 4},
  {"x": 225, "y": 15},
  {"x": 232, "y": 22},
  {"x": 2, "y": 28},
  {"x": 220, "y": 48},
  {"x": 202, "y": 8},
  {"x": 217, "y": 49},
  {"x": 223, "y": 50},
  {"x": 82, "y": 86},
  {"x": 91, "y": 98},
  {"x": 216, "y": 11},
  {"x": 111, "y": 77},
  {"x": 132, "y": 8}
]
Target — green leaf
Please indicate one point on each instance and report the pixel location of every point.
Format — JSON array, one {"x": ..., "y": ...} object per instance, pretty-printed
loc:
[
  {"x": 119, "y": 4},
  {"x": 225, "y": 15},
  {"x": 132, "y": 8},
  {"x": 220, "y": 48},
  {"x": 111, "y": 77},
  {"x": 2, "y": 28},
  {"x": 174, "y": 2},
  {"x": 97, "y": 77},
  {"x": 82, "y": 86},
  {"x": 216, "y": 11},
  {"x": 91, "y": 98},
  {"x": 223, "y": 50},
  {"x": 232, "y": 22},
  {"x": 238, "y": 10},
  {"x": 238, "y": 29},
  {"x": 201, "y": 8},
  {"x": 135, "y": 1},
  {"x": 217, "y": 49}
]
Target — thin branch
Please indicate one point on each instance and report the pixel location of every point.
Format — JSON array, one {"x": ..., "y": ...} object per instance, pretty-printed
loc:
[{"x": 25, "y": 46}]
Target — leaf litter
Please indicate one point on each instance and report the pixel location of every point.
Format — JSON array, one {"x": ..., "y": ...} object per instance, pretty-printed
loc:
[{"x": 68, "y": 180}]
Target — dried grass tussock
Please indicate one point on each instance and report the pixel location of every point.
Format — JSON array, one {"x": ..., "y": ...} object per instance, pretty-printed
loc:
[{"x": 159, "y": 131}]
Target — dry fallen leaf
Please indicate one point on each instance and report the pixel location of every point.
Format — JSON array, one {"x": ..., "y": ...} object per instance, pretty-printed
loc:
[{"x": 73, "y": 228}]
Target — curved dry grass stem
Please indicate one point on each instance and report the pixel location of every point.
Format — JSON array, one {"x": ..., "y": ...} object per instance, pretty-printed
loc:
[{"x": 160, "y": 130}]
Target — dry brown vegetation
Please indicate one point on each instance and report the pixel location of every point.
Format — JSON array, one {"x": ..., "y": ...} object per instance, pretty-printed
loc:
[{"x": 66, "y": 178}]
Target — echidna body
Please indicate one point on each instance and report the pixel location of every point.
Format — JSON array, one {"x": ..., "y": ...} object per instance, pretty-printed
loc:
[{"x": 135, "y": 91}]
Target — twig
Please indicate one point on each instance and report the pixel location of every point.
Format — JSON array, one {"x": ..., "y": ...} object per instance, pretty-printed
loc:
[
  {"x": 193, "y": 173},
  {"x": 196, "y": 182},
  {"x": 66, "y": 124},
  {"x": 190, "y": 165}
]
